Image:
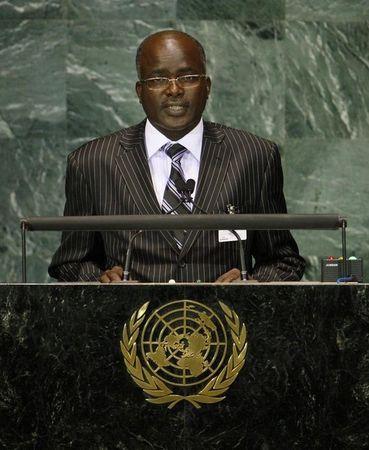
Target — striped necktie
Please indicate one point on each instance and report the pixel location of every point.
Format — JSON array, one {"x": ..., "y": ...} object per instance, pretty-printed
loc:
[{"x": 171, "y": 195}]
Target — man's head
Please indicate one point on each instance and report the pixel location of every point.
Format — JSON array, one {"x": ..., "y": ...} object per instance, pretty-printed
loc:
[{"x": 175, "y": 108}]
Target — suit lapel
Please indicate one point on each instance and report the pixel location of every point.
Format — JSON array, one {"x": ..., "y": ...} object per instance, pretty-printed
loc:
[
  {"x": 213, "y": 168},
  {"x": 133, "y": 165}
]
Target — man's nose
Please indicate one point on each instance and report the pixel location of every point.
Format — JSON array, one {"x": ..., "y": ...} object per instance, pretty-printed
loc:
[{"x": 174, "y": 88}]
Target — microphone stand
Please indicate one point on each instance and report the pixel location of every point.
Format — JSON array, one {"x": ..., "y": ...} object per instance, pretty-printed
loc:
[{"x": 127, "y": 264}]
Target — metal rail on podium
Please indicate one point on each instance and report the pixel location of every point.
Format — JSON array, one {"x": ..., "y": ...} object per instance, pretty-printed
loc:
[{"x": 178, "y": 222}]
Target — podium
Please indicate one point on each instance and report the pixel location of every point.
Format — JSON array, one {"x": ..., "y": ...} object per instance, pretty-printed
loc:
[{"x": 65, "y": 384}]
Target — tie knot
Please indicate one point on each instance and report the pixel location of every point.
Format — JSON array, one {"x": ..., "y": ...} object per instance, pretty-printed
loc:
[{"x": 175, "y": 151}]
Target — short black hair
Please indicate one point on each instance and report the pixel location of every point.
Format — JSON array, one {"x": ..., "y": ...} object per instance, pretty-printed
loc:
[{"x": 141, "y": 46}]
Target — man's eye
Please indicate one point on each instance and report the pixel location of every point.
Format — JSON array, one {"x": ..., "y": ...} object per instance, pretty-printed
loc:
[
  {"x": 158, "y": 81},
  {"x": 189, "y": 78}
]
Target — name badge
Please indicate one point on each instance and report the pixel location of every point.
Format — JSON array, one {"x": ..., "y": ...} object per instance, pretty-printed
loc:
[{"x": 227, "y": 236}]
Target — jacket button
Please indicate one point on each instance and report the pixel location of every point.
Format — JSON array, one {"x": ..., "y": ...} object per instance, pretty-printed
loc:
[{"x": 181, "y": 264}]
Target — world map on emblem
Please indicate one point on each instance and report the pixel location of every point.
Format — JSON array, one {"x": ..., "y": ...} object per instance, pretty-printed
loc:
[{"x": 184, "y": 342}]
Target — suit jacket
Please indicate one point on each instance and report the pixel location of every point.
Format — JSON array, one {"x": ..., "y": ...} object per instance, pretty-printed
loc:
[{"x": 110, "y": 175}]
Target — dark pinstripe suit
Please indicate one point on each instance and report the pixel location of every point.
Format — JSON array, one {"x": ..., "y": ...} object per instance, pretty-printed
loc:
[{"x": 110, "y": 175}]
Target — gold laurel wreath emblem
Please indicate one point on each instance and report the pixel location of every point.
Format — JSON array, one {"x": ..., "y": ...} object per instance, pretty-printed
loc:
[{"x": 157, "y": 390}]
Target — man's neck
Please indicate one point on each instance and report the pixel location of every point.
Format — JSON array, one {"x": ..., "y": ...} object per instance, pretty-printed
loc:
[
  {"x": 175, "y": 135},
  {"x": 155, "y": 139}
]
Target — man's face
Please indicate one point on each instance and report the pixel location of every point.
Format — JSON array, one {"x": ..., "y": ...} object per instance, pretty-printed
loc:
[{"x": 172, "y": 110}]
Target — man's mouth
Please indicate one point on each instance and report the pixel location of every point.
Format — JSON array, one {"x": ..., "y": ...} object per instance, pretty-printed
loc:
[{"x": 176, "y": 108}]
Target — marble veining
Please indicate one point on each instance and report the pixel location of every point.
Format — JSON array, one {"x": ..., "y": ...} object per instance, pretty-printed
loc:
[{"x": 327, "y": 10}]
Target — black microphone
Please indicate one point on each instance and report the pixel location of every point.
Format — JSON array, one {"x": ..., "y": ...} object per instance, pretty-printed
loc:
[{"x": 186, "y": 188}]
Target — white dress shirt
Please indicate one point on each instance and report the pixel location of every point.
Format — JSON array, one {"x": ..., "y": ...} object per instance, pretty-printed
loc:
[{"x": 160, "y": 164}]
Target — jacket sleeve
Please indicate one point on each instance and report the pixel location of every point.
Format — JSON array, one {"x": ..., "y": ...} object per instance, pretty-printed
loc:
[
  {"x": 275, "y": 252},
  {"x": 80, "y": 256}
]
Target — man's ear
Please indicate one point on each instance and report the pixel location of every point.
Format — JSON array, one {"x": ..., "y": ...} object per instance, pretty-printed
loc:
[
  {"x": 139, "y": 90},
  {"x": 208, "y": 86}
]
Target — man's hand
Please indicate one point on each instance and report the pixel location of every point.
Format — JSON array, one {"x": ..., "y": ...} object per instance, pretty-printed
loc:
[
  {"x": 112, "y": 275},
  {"x": 230, "y": 276}
]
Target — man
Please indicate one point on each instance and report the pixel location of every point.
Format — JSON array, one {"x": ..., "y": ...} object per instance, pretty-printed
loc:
[{"x": 132, "y": 171}]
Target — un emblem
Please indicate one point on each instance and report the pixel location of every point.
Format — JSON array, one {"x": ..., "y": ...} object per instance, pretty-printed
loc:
[{"x": 184, "y": 344}]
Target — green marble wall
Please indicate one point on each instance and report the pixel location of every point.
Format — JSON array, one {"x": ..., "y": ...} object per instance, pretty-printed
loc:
[{"x": 296, "y": 71}]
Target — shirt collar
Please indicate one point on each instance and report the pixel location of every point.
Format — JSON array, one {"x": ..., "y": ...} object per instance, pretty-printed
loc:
[{"x": 154, "y": 139}]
